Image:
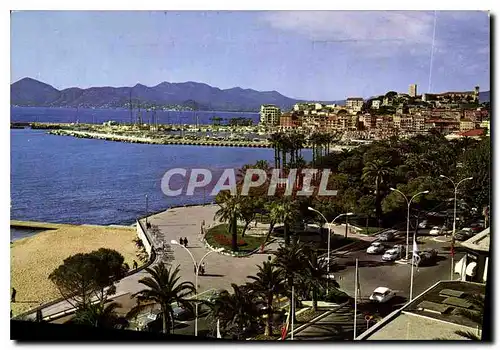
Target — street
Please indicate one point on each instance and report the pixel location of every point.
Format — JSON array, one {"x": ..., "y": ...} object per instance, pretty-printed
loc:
[{"x": 373, "y": 273}]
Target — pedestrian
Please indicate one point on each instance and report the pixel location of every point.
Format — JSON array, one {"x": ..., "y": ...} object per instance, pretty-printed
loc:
[
  {"x": 185, "y": 242},
  {"x": 13, "y": 296},
  {"x": 181, "y": 241},
  {"x": 202, "y": 268},
  {"x": 135, "y": 264}
]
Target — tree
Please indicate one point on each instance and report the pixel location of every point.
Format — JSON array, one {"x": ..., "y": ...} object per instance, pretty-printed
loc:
[
  {"x": 102, "y": 317},
  {"x": 290, "y": 260},
  {"x": 285, "y": 212},
  {"x": 84, "y": 276},
  {"x": 267, "y": 284},
  {"x": 377, "y": 171},
  {"x": 230, "y": 212},
  {"x": 238, "y": 313},
  {"x": 476, "y": 162},
  {"x": 313, "y": 275},
  {"x": 163, "y": 288}
]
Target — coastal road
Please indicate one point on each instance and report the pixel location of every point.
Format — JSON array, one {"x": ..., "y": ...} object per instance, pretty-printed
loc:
[{"x": 374, "y": 273}]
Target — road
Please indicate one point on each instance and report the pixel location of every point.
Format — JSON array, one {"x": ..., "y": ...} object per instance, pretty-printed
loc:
[{"x": 373, "y": 273}]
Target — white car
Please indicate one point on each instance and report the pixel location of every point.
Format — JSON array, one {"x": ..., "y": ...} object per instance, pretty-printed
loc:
[
  {"x": 375, "y": 248},
  {"x": 423, "y": 224},
  {"x": 391, "y": 255},
  {"x": 382, "y": 295},
  {"x": 435, "y": 231}
]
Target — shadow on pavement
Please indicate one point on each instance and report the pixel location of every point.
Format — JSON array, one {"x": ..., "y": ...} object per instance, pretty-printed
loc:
[{"x": 212, "y": 275}]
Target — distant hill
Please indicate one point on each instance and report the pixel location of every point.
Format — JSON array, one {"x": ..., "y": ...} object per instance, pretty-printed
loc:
[
  {"x": 484, "y": 96},
  {"x": 33, "y": 93}
]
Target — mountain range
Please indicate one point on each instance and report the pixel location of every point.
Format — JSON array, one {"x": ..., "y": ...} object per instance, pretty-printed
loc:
[{"x": 33, "y": 93}]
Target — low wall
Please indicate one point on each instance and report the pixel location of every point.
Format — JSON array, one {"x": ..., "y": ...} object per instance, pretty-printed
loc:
[{"x": 141, "y": 233}]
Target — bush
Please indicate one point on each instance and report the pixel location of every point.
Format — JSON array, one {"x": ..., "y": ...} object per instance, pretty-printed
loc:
[{"x": 334, "y": 296}]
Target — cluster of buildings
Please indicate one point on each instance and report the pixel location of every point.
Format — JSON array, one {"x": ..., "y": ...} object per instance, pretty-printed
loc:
[{"x": 387, "y": 115}]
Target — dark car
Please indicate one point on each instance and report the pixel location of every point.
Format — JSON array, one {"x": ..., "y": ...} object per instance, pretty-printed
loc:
[
  {"x": 386, "y": 236},
  {"x": 426, "y": 257},
  {"x": 463, "y": 235}
]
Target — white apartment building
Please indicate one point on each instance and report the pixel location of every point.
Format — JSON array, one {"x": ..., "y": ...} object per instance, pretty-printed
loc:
[
  {"x": 375, "y": 104},
  {"x": 354, "y": 104},
  {"x": 270, "y": 115}
]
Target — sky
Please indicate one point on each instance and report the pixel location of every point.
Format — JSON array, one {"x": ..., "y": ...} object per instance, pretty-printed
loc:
[{"x": 315, "y": 55}]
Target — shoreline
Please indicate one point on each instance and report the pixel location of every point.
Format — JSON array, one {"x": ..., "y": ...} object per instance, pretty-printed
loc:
[{"x": 33, "y": 258}]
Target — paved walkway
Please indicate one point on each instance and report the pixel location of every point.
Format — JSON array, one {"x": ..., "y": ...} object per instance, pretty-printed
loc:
[{"x": 221, "y": 270}]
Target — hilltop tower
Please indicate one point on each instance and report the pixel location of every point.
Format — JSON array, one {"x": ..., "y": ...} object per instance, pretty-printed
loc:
[
  {"x": 413, "y": 90},
  {"x": 476, "y": 93}
]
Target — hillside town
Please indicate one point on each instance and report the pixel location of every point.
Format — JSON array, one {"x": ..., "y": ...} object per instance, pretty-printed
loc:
[{"x": 455, "y": 114}]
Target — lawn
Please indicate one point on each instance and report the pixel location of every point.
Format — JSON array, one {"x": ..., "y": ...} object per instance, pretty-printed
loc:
[
  {"x": 371, "y": 230},
  {"x": 219, "y": 236}
]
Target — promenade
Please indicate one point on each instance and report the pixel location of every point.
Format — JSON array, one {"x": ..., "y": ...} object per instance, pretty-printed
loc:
[{"x": 221, "y": 270}]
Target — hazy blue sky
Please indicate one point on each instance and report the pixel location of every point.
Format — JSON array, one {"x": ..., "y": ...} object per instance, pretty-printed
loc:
[{"x": 306, "y": 54}]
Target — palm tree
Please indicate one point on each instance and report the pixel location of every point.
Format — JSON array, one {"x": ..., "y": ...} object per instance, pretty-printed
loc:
[
  {"x": 285, "y": 212},
  {"x": 164, "y": 289},
  {"x": 268, "y": 283},
  {"x": 377, "y": 171},
  {"x": 290, "y": 261},
  {"x": 313, "y": 275},
  {"x": 238, "y": 313},
  {"x": 102, "y": 317},
  {"x": 230, "y": 212},
  {"x": 274, "y": 139}
]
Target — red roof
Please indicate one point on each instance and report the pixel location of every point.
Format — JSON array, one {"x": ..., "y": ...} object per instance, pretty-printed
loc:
[{"x": 471, "y": 133}]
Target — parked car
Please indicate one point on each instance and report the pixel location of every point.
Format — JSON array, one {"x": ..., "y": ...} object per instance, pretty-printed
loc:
[
  {"x": 382, "y": 295},
  {"x": 386, "y": 236},
  {"x": 182, "y": 314},
  {"x": 435, "y": 231},
  {"x": 426, "y": 257},
  {"x": 476, "y": 227},
  {"x": 423, "y": 224},
  {"x": 375, "y": 248},
  {"x": 391, "y": 255},
  {"x": 463, "y": 235}
]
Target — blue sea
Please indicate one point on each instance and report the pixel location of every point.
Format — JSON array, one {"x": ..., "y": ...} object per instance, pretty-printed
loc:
[{"x": 85, "y": 181}]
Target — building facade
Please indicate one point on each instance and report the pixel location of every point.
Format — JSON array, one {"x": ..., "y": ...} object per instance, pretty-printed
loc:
[
  {"x": 412, "y": 91},
  {"x": 270, "y": 115}
]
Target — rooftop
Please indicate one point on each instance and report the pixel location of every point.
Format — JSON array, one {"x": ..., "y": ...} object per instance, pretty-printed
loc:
[
  {"x": 433, "y": 314},
  {"x": 471, "y": 133},
  {"x": 481, "y": 241}
]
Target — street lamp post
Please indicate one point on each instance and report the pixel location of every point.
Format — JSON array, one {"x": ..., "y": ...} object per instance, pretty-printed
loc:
[
  {"x": 174, "y": 242},
  {"x": 146, "y": 212},
  {"x": 408, "y": 216},
  {"x": 329, "y": 234},
  {"x": 454, "y": 220}
]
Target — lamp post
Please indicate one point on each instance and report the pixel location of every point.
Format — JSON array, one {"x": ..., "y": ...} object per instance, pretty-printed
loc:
[
  {"x": 174, "y": 242},
  {"x": 408, "y": 216},
  {"x": 146, "y": 212},
  {"x": 454, "y": 220},
  {"x": 328, "y": 250}
]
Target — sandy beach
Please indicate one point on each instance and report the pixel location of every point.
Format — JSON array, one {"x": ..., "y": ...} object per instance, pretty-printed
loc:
[{"x": 34, "y": 258}]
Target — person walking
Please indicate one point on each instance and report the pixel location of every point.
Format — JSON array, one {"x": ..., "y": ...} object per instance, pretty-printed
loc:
[
  {"x": 13, "y": 295},
  {"x": 202, "y": 268},
  {"x": 181, "y": 241},
  {"x": 185, "y": 242},
  {"x": 135, "y": 264}
]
